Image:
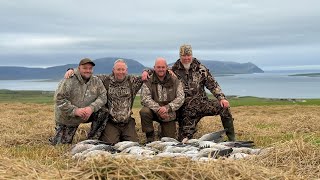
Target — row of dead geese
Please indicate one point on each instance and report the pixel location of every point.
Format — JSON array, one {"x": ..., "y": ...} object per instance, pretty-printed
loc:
[{"x": 208, "y": 147}]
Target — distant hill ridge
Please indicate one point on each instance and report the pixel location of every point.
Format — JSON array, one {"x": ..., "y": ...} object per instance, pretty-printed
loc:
[{"x": 104, "y": 66}]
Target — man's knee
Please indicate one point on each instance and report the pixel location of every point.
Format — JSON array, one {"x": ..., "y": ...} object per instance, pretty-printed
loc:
[
  {"x": 145, "y": 112},
  {"x": 169, "y": 129}
]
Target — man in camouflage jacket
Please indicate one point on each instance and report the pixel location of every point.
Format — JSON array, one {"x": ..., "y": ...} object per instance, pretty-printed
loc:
[
  {"x": 121, "y": 89},
  {"x": 77, "y": 100},
  {"x": 115, "y": 123},
  {"x": 162, "y": 95},
  {"x": 195, "y": 77}
]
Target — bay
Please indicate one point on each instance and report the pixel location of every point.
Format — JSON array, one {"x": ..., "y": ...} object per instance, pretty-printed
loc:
[{"x": 268, "y": 85}]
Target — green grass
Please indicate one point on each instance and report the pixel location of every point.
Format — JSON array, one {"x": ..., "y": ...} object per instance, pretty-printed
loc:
[
  {"x": 255, "y": 101},
  {"x": 26, "y": 96},
  {"x": 46, "y": 97}
]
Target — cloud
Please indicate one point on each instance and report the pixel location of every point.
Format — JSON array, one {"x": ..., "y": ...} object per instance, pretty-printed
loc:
[{"x": 227, "y": 30}]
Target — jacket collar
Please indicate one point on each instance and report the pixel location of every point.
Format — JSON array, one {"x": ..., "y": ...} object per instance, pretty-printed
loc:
[{"x": 167, "y": 82}]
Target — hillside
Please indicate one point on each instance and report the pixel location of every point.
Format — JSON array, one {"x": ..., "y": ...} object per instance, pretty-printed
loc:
[
  {"x": 222, "y": 67},
  {"x": 104, "y": 65}
]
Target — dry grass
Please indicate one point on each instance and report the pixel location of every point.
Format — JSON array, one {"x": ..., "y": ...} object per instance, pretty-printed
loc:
[{"x": 292, "y": 131}]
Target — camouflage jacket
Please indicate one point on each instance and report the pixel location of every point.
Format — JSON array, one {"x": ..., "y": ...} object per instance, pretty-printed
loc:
[
  {"x": 168, "y": 93},
  {"x": 121, "y": 96},
  {"x": 196, "y": 79},
  {"x": 74, "y": 93}
]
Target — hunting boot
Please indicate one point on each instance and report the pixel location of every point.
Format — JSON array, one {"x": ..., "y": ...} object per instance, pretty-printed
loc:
[
  {"x": 227, "y": 123},
  {"x": 150, "y": 136},
  {"x": 228, "y": 126}
]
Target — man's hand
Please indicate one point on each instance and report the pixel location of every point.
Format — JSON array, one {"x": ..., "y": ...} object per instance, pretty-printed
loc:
[
  {"x": 145, "y": 76},
  {"x": 80, "y": 112},
  {"x": 224, "y": 103},
  {"x": 84, "y": 113},
  {"x": 88, "y": 111},
  {"x": 172, "y": 73},
  {"x": 163, "y": 113},
  {"x": 68, "y": 74},
  {"x": 162, "y": 110}
]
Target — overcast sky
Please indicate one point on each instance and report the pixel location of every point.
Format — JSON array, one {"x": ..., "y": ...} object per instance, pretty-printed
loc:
[{"x": 273, "y": 34}]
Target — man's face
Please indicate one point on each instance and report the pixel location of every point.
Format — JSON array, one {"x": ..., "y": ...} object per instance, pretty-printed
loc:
[
  {"x": 120, "y": 71},
  {"x": 86, "y": 71},
  {"x": 186, "y": 59},
  {"x": 160, "y": 68}
]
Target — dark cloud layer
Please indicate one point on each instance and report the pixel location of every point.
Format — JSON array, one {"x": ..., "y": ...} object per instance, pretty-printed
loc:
[{"x": 268, "y": 33}]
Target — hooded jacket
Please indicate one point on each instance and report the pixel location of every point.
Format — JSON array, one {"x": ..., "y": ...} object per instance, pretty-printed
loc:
[{"x": 75, "y": 93}]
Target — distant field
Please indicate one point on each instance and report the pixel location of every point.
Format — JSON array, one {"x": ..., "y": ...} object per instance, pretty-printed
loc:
[{"x": 46, "y": 97}]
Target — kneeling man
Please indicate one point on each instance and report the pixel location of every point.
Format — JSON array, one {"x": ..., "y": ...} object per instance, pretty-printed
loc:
[
  {"x": 161, "y": 96},
  {"x": 77, "y": 100}
]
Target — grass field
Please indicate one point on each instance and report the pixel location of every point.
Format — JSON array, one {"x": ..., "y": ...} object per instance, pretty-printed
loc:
[
  {"x": 46, "y": 97},
  {"x": 290, "y": 127}
]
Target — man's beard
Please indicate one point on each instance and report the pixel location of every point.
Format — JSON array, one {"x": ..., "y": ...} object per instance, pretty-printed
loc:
[{"x": 186, "y": 66}]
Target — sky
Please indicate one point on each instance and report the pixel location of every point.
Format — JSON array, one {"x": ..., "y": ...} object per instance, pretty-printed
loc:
[{"x": 273, "y": 34}]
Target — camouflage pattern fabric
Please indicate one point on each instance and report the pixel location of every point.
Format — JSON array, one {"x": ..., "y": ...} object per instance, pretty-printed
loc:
[
  {"x": 185, "y": 50},
  {"x": 99, "y": 122},
  {"x": 155, "y": 94},
  {"x": 74, "y": 93},
  {"x": 118, "y": 109},
  {"x": 196, "y": 79},
  {"x": 121, "y": 96},
  {"x": 64, "y": 134},
  {"x": 197, "y": 104},
  {"x": 196, "y": 108}
]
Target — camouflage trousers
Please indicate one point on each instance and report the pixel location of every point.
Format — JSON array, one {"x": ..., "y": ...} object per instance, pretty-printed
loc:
[
  {"x": 195, "y": 108},
  {"x": 64, "y": 133}
]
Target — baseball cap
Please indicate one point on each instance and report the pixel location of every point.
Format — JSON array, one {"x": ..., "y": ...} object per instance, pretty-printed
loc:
[{"x": 86, "y": 61}]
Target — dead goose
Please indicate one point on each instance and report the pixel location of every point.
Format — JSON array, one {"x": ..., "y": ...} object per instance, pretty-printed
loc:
[
  {"x": 93, "y": 141},
  {"x": 141, "y": 151},
  {"x": 125, "y": 144},
  {"x": 160, "y": 146},
  {"x": 78, "y": 148},
  {"x": 169, "y": 139},
  {"x": 246, "y": 150},
  {"x": 215, "y": 136},
  {"x": 179, "y": 149},
  {"x": 214, "y": 152},
  {"x": 237, "y": 156},
  {"x": 238, "y": 143}
]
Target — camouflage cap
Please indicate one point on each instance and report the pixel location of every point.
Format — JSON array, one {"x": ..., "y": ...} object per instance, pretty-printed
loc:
[
  {"x": 185, "y": 50},
  {"x": 86, "y": 61}
]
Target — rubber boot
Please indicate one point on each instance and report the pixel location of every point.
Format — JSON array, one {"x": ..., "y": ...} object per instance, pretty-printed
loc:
[{"x": 228, "y": 126}]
